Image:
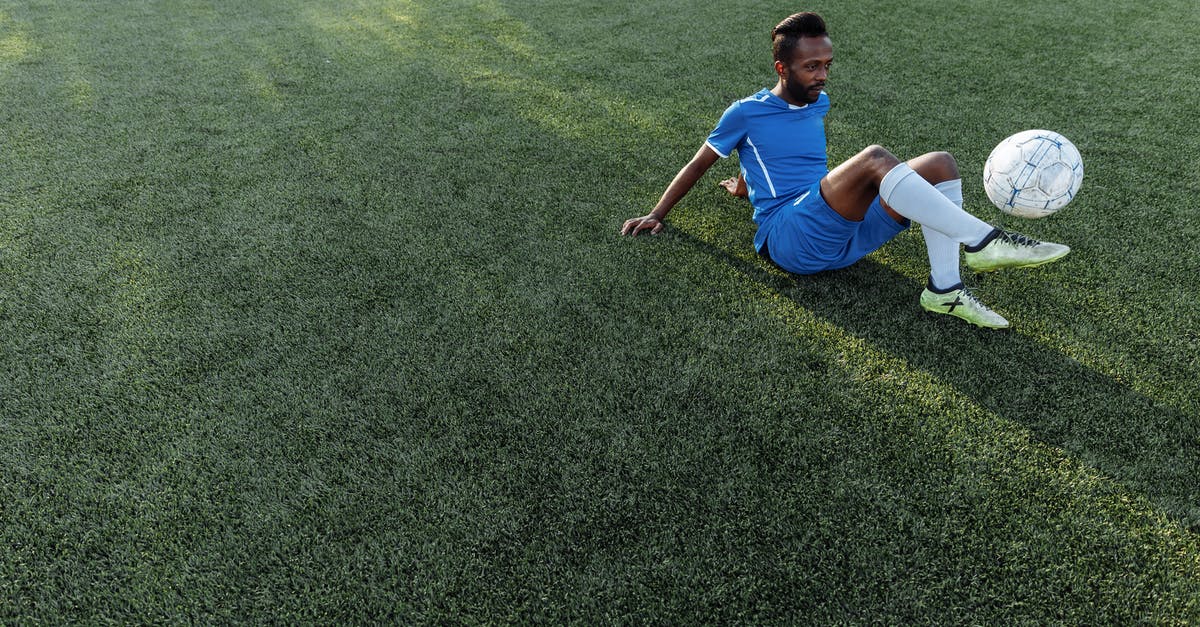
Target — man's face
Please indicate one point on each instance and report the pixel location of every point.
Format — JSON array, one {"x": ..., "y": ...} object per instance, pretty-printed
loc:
[{"x": 804, "y": 77}]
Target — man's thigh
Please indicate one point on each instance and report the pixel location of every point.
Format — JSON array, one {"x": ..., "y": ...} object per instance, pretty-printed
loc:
[{"x": 852, "y": 187}]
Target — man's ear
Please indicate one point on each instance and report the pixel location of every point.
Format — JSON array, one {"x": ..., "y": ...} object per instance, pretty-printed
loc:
[{"x": 780, "y": 69}]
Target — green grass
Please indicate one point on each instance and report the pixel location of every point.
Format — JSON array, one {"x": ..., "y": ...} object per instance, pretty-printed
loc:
[{"x": 317, "y": 312}]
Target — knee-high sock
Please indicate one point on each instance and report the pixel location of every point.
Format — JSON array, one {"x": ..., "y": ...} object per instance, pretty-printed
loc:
[
  {"x": 943, "y": 249},
  {"x": 914, "y": 198}
]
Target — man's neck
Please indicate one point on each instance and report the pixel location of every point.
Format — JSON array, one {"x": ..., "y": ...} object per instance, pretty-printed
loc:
[{"x": 783, "y": 95}]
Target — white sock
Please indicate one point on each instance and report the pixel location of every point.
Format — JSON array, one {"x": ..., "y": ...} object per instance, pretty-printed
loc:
[
  {"x": 914, "y": 198},
  {"x": 952, "y": 190},
  {"x": 943, "y": 249}
]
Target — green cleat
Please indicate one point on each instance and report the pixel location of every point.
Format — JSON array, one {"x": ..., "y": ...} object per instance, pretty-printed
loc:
[
  {"x": 1006, "y": 249},
  {"x": 960, "y": 302}
]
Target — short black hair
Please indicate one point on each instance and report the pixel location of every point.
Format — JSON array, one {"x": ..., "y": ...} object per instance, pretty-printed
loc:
[{"x": 785, "y": 35}]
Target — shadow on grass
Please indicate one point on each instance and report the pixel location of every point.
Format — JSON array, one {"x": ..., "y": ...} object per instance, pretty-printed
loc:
[{"x": 1063, "y": 403}]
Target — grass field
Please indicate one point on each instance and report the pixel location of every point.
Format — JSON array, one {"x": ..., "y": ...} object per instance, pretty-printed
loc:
[{"x": 317, "y": 312}]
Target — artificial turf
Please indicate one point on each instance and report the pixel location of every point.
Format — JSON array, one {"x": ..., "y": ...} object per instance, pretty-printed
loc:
[{"x": 317, "y": 312}]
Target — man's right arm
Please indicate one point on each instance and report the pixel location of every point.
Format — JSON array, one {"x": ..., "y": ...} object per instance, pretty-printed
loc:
[{"x": 679, "y": 187}]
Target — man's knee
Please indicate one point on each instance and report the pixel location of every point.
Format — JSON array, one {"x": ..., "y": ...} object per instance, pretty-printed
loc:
[
  {"x": 875, "y": 152},
  {"x": 878, "y": 159},
  {"x": 937, "y": 167}
]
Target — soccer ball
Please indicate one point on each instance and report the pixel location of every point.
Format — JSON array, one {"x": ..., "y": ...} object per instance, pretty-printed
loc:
[{"x": 1033, "y": 174}]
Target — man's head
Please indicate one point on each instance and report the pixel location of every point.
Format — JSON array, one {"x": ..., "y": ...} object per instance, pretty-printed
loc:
[{"x": 803, "y": 54}]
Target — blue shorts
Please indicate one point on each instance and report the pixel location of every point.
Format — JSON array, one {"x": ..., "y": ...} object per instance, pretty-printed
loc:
[{"x": 808, "y": 236}]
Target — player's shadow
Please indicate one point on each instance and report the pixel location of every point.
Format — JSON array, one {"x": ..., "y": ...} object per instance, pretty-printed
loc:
[{"x": 1119, "y": 431}]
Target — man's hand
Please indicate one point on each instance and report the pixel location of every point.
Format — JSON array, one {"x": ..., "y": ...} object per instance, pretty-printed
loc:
[
  {"x": 633, "y": 226},
  {"x": 736, "y": 186}
]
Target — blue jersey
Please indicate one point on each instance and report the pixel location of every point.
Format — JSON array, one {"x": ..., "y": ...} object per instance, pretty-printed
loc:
[{"x": 781, "y": 148}]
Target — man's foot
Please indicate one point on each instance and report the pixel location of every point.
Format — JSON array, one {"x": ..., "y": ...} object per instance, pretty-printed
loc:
[
  {"x": 736, "y": 186},
  {"x": 1006, "y": 249},
  {"x": 960, "y": 302}
]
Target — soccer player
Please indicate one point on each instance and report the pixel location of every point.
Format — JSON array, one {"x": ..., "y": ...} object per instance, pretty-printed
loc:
[{"x": 811, "y": 219}]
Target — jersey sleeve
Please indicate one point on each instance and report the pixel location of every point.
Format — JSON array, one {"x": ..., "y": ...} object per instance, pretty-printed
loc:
[{"x": 730, "y": 131}]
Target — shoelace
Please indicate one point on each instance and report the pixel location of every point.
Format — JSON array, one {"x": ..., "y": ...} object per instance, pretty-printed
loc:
[
  {"x": 966, "y": 291},
  {"x": 1019, "y": 239}
]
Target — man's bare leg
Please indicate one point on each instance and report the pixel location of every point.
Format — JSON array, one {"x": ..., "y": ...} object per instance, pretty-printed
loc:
[{"x": 852, "y": 186}]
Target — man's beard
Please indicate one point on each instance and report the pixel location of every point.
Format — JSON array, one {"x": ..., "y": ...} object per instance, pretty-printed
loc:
[{"x": 802, "y": 93}]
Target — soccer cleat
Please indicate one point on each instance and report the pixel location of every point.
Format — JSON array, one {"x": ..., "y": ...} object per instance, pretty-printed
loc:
[
  {"x": 1006, "y": 249},
  {"x": 958, "y": 301}
]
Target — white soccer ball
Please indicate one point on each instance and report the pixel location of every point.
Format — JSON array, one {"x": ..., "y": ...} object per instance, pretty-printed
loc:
[{"x": 1033, "y": 174}]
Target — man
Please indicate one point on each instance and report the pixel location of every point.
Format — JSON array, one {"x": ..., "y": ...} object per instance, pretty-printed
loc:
[{"x": 811, "y": 219}]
